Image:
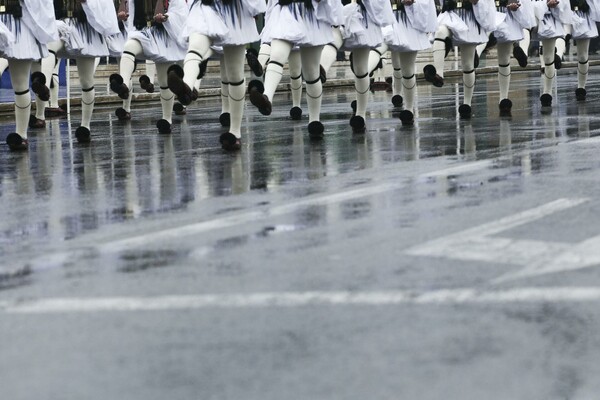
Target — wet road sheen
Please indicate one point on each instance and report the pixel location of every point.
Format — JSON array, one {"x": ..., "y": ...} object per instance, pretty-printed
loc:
[{"x": 144, "y": 226}]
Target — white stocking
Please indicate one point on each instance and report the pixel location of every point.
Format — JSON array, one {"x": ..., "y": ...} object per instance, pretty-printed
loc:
[
  {"x": 295, "y": 65},
  {"x": 397, "y": 74},
  {"x": 224, "y": 87},
  {"x": 439, "y": 49},
  {"x": 3, "y": 65},
  {"x": 46, "y": 66},
  {"x": 467, "y": 54},
  {"x": 409, "y": 81},
  {"x": 20, "y": 70},
  {"x": 167, "y": 98},
  {"x": 583, "y": 48},
  {"x": 360, "y": 63},
  {"x": 40, "y": 105},
  {"x": 53, "y": 48},
  {"x": 54, "y": 86},
  {"x": 329, "y": 54},
  {"x": 480, "y": 48},
  {"x": 234, "y": 58},
  {"x": 198, "y": 48},
  {"x": 86, "y": 67},
  {"x": 549, "y": 68},
  {"x": 280, "y": 52},
  {"x": 314, "y": 88},
  {"x": 375, "y": 56},
  {"x": 133, "y": 49},
  {"x": 524, "y": 43},
  {"x": 561, "y": 44},
  {"x": 150, "y": 70},
  {"x": 264, "y": 53},
  {"x": 504, "y": 51}
]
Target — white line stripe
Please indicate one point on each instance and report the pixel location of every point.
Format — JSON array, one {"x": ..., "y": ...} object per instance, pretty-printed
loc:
[
  {"x": 245, "y": 217},
  {"x": 225, "y": 222},
  {"x": 587, "y": 141},
  {"x": 290, "y": 299},
  {"x": 458, "y": 169},
  {"x": 524, "y": 217},
  {"x": 474, "y": 243}
]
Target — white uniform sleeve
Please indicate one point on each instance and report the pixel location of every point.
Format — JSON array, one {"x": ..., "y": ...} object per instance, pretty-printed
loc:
[
  {"x": 6, "y": 37},
  {"x": 380, "y": 11},
  {"x": 102, "y": 16},
  {"x": 563, "y": 11},
  {"x": 525, "y": 14},
  {"x": 594, "y": 9},
  {"x": 540, "y": 8},
  {"x": 422, "y": 15},
  {"x": 38, "y": 15},
  {"x": 174, "y": 25},
  {"x": 255, "y": 7},
  {"x": 330, "y": 11},
  {"x": 485, "y": 13},
  {"x": 351, "y": 20}
]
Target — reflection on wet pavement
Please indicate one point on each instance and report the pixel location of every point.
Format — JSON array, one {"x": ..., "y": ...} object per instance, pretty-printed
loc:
[{"x": 60, "y": 190}]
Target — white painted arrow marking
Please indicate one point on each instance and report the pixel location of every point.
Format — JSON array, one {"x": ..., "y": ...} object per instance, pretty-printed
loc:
[{"x": 538, "y": 257}]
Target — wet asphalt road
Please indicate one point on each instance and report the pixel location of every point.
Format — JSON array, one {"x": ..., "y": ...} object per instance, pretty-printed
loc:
[{"x": 451, "y": 260}]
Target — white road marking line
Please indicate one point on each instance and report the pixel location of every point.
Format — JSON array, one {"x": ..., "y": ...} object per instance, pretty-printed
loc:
[
  {"x": 537, "y": 257},
  {"x": 225, "y": 222},
  {"x": 475, "y": 243},
  {"x": 300, "y": 299},
  {"x": 574, "y": 257},
  {"x": 586, "y": 141},
  {"x": 458, "y": 169},
  {"x": 245, "y": 217}
]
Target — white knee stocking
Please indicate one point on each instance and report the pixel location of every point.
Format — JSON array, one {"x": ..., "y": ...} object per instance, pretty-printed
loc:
[
  {"x": 504, "y": 50},
  {"x": 360, "y": 64},
  {"x": 397, "y": 74},
  {"x": 549, "y": 68},
  {"x": 583, "y": 48},
  {"x": 224, "y": 87},
  {"x": 439, "y": 49},
  {"x": 467, "y": 53},
  {"x": 167, "y": 98},
  {"x": 375, "y": 56},
  {"x": 561, "y": 46},
  {"x": 199, "y": 46},
  {"x": 54, "y": 91},
  {"x": 54, "y": 85},
  {"x": 46, "y": 67},
  {"x": 480, "y": 48},
  {"x": 40, "y": 105},
  {"x": 19, "y": 77},
  {"x": 150, "y": 70},
  {"x": 524, "y": 43},
  {"x": 3, "y": 65},
  {"x": 311, "y": 57},
  {"x": 86, "y": 67},
  {"x": 329, "y": 54},
  {"x": 133, "y": 49},
  {"x": 295, "y": 65},
  {"x": 280, "y": 52},
  {"x": 234, "y": 57},
  {"x": 409, "y": 81},
  {"x": 264, "y": 53}
]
